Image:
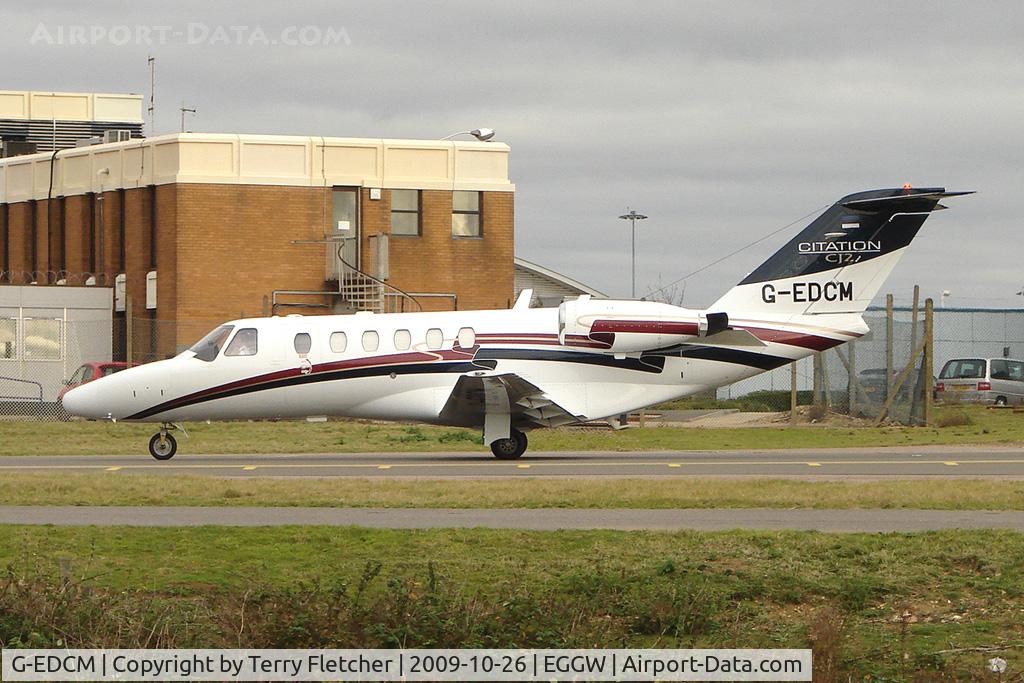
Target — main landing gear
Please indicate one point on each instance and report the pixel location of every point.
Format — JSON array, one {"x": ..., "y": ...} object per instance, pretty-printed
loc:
[
  {"x": 510, "y": 448},
  {"x": 163, "y": 446}
]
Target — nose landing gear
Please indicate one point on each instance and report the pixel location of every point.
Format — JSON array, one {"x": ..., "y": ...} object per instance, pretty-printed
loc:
[{"x": 163, "y": 446}]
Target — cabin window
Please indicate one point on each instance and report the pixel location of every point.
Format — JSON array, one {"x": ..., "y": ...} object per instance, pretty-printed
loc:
[
  {"x": 405, "y": 212},
  {"x": 435, "y": 338},
  {"x": 467, "y": 338},
  {"x": 466, "y": 214},
  {"x": 303, "y": 343},
  {"x": 403, "y": 340},
  {"x": 339, "y": 342},
  {"x": 244, "y": 343},
  {"x": 209, "y": 346},
  {"x": 371, "y": 341}
]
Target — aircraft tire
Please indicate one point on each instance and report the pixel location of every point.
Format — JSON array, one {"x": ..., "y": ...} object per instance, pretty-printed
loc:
[
  {"x": 165, "y": 451},
  {"x": 510, "y": 448}
]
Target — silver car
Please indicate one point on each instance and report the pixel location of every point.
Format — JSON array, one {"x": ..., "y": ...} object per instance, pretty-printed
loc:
[{"x": 981, "y": 380}]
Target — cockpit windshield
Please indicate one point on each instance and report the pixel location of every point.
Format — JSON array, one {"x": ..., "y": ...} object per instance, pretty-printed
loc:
[{"x": 209, "y": 346}]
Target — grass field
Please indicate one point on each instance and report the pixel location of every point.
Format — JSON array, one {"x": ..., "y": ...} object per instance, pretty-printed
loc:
[
  {"x": 78, "y": 437},
  {"x": 873, "y": 606},
  {"x": 132, "y": 489}
]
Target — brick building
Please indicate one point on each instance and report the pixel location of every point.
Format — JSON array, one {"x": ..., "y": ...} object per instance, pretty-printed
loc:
[{"x": 192, "y": 229}]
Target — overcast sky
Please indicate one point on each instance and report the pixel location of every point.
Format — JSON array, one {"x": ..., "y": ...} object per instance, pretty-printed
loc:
[{"x": 722, "y": 121}]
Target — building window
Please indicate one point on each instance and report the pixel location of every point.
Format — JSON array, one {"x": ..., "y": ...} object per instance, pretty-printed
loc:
[
  {"x": 403, "y": 340},
  {"x": 405, "y": 212},
  {"x": 435, "y": 338},
  {"x": 339, "y": 342},
  {"x": 466, "y": 214},
  {"x": 42, "y": 339},
  {"x": 8, "y": 338},
  {"x": 371, "y": 341},
  {"x": 244, "y": 343}
]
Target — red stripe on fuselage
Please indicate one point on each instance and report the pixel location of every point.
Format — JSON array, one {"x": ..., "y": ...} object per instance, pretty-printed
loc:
[
  {"x": 789, "y": 338},
  {"x": 644, "y": 327}
]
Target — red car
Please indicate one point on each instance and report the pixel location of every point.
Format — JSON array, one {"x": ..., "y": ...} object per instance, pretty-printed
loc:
[{"x": 87, "y": 373}]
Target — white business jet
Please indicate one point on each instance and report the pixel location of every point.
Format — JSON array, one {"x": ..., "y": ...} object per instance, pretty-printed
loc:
[{"x": 508, "y": 371}]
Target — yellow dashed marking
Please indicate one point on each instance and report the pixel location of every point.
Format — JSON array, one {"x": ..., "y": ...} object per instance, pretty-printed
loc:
[
  {"x": 523, "y": 467},
  {"x": 113, "y": 469},
  {"x": 383, "y": 467},
  {"x": 917, "y": 462},
  {"x": 814, "y": 464},
  {"x": 674, "y": 464},
  {"x": 249, "y": 467}
]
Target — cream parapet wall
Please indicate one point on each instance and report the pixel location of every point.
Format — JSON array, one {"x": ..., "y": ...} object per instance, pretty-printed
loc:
[
  {"x": 259, "y": 160},
  {"x": 70, "y": 106}
]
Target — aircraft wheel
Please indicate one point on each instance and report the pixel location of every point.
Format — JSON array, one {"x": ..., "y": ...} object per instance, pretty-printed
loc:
[
  {"x": 510, "y": 448},
  {"x": 164, "y": 450}
]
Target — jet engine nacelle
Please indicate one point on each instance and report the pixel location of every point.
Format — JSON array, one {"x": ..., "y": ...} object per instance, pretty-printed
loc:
[{"x": 633, "y": 326}]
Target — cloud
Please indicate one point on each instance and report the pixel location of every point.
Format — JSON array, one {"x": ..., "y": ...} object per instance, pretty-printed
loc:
[{"x": 721, "y": 121}]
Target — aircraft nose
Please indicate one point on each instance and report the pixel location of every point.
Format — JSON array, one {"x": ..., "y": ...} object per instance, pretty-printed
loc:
[
  {"x": 83, "y": 401},
  {"x": 121, "y": 394}
]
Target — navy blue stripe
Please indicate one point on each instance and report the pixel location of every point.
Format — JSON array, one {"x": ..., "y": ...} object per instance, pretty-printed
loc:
[
  {"x": 652, "y": 364},
  {"x": 328, "y": 376},
  {"x": 649, "y": 363}
]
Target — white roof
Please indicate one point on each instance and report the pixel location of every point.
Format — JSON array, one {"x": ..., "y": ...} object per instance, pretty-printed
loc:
[{"x": 558, "y": 277}]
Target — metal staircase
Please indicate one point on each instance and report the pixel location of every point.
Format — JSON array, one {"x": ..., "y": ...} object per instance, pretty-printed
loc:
[
  {"x": 352, "y": 289},
  {"x": 361, "y": 293},
  {"x": 364, "y": 292}
]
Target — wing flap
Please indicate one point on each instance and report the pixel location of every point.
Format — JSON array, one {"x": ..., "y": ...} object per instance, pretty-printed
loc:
[{"x": 475, "y": 395}]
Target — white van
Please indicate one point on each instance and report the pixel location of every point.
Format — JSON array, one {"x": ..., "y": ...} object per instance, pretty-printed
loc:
[{"x": 999, "y": 381}]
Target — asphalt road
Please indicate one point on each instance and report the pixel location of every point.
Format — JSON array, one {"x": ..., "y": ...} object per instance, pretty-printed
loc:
[
  {"x": 531, "y": 519},
  {"x": 877, "y": 463}
]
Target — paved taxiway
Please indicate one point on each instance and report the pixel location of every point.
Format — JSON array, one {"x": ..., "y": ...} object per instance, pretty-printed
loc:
[
  {"x": 549, "y": 519},
  {"x": 877, "y": 463}
]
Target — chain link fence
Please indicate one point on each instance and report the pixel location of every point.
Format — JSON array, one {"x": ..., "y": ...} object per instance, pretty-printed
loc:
[
  {"x": 44, "y": 352},
  {"x": 854, "y": 382},
  {"x": 880, "y": 377}
]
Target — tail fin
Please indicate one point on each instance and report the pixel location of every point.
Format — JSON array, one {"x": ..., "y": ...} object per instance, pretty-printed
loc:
[{"x": 839, "y": 262}]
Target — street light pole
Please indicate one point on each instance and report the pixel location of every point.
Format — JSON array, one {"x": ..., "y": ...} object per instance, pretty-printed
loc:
[{"x": 632, "y": 216}]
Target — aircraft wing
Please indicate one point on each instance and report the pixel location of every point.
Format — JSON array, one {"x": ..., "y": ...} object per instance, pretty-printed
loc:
[{"x": 475, "y": 397}]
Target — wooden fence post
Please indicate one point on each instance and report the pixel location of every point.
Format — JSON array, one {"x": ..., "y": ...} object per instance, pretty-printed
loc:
[
  {"x": 792, "y": 392},
  {"x": 889, "y": 365},
  {"x": 929, "y": 359}
]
